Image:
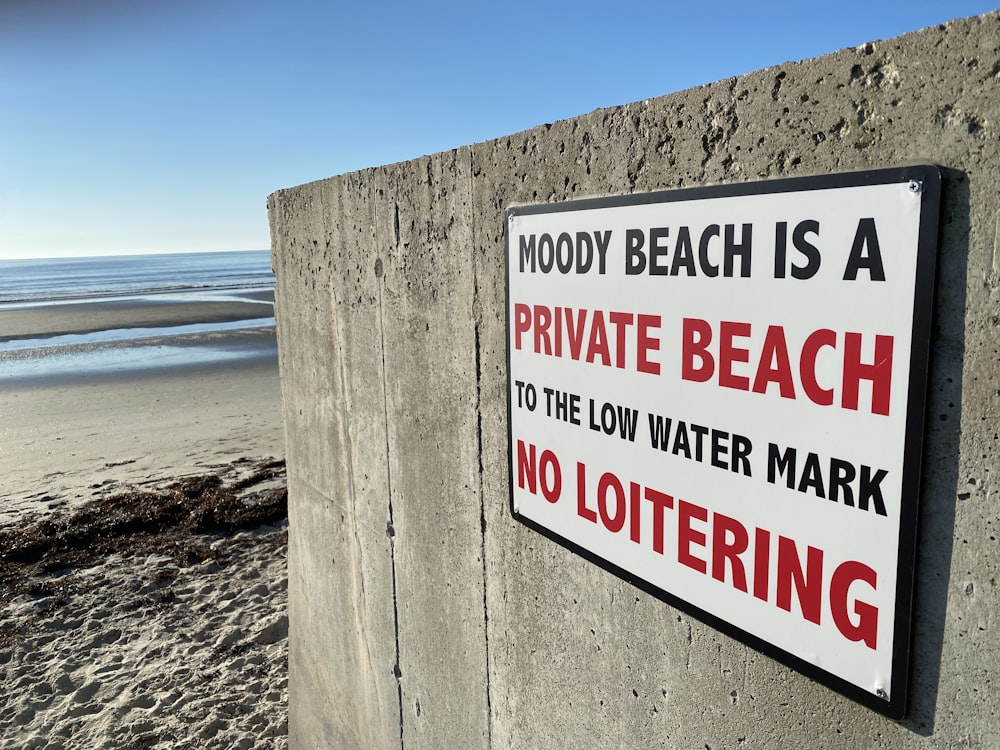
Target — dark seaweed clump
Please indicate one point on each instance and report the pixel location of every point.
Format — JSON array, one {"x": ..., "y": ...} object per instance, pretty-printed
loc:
[{"x": 175, "y": 521}]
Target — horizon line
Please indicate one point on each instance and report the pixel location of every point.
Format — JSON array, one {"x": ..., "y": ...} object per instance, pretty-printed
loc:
[{"x": 127, "y": 254}]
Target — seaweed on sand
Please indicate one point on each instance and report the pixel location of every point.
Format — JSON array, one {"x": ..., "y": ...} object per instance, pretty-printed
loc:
[{"x": 173, "y": 521}]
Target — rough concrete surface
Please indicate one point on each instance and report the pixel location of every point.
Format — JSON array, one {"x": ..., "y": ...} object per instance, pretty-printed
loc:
[{"x": 421, "y": 614}]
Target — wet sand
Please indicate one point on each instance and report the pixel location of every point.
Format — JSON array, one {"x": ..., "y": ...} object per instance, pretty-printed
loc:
[
  {"x": 142, "y": 312},
  {"x": 174, "y": 639}
]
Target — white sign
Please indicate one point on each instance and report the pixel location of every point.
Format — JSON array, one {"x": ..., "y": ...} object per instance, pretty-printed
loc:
[{"x": 718, "y": 394}]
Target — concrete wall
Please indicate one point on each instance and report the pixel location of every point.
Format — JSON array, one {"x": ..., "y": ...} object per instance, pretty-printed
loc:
[{"x": 421, "y": 614}]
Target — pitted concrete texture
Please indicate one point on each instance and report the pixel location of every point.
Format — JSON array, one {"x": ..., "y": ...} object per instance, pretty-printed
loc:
[{"x": 422, "y": 615}]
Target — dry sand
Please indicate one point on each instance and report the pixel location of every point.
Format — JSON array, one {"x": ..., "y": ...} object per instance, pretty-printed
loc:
[
  {"x": 168, "y": 633},
  {"x": 63, "y": 441}
]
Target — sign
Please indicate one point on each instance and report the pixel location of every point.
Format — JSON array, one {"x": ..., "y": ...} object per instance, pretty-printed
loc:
[{"x": 718, "y": 395}]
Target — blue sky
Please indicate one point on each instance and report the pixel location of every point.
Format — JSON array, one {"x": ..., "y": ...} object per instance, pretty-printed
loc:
[{"x": 135, "y": 126}]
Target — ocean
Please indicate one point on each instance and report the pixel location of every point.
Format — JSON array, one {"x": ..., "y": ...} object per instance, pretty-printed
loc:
[
  {"x": 61, "y": 279},
  {"x": 76, "y": 317}
]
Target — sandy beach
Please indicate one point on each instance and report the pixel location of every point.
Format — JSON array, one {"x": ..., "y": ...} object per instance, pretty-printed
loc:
[{"x": 142, "y": 536}]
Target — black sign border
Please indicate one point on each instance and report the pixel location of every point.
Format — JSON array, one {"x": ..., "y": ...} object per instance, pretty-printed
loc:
[{"x": 927, "y": 179}]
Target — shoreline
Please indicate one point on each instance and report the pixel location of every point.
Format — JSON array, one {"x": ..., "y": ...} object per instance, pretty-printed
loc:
[
  {"x": 143, "y": 582},
  {"x": 164, "y": 635},
  {"x": 106, "y": 339},
  {"x": 165, "y": 355},
  {"x": 148, "y": 311}
]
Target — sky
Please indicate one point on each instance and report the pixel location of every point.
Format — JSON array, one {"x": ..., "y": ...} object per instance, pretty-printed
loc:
[{"x": 142, "y": 126}]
